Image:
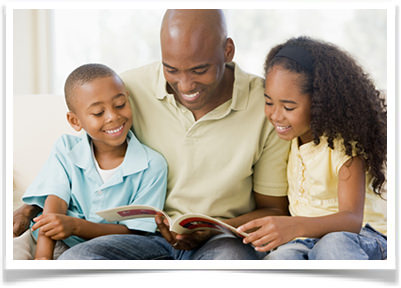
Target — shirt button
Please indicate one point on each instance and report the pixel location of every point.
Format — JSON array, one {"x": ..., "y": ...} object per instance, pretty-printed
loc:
[{"x": 99, "y": 192}]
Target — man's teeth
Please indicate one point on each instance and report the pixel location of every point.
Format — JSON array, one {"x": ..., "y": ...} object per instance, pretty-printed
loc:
[
  {"x": 114, "y": 131},
  {"x": 191, "y": 95}
]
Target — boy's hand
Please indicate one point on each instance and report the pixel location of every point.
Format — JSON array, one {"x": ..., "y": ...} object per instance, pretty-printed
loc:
[
  {"x": 271, "y": 232},
  {"x": 55, "y": 226}
]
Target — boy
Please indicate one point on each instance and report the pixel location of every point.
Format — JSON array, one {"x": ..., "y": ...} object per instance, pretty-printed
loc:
[{"x": 104, "y": 168}]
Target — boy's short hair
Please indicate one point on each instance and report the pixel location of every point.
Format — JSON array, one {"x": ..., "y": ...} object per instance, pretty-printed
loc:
[{"x": 82, "y": 75}]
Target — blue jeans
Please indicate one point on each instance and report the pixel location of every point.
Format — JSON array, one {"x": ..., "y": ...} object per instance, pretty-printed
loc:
[
  {"x": 367, "y": 245},
  {"x": 155, "y": 247}
]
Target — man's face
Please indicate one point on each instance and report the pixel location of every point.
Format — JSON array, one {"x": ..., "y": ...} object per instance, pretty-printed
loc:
[{"x": 194, "y": 70}]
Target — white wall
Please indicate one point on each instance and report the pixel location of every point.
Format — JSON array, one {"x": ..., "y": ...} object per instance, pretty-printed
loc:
[{"x": 32, "y": 52}]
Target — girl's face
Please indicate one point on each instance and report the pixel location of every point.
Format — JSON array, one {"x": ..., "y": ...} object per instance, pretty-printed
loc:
[{"x": 287, "y": 108}]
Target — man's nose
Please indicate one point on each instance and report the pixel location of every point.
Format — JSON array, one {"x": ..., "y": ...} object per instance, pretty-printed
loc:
[{"x": 186, "y": 84}]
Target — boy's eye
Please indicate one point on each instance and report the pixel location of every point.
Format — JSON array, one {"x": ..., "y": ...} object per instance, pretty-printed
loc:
[
  {"x": 98, "y": 114},
  {"x": 268, "y": 103}
]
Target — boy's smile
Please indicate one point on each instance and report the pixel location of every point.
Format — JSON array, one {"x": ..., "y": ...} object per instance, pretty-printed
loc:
[{"x": 102, "y": 109}]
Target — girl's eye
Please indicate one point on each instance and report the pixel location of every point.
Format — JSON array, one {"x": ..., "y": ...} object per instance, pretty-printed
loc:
[
  {"x": 269, "y": 103},
  {"x": 121, "y": 106},
  {"x": 288, "y": 109}
]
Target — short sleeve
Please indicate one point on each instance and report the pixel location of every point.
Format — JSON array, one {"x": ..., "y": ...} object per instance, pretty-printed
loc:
[
  {"x": 152, "y": 192},
  {"x": 270, "y": 171},
  {"x": 52, "y": 179},
  {"x": 338, "y": 156}
]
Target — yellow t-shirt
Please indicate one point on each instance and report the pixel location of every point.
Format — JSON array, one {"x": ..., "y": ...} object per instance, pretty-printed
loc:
[
  {"x": 312, "y": 179},
  {"x": 214, "y": 163}
]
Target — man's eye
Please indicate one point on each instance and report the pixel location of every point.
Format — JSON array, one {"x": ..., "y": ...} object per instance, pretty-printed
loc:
[{"x": 200, "y": 72}]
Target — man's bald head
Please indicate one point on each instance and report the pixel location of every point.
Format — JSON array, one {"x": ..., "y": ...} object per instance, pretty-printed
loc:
[
  {"x": 195, "y": 49},
  {"x": 192, "y": 25}
]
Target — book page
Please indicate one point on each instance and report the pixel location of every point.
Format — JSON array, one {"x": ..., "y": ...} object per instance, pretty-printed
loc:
[{"x": 129, "y": 212}]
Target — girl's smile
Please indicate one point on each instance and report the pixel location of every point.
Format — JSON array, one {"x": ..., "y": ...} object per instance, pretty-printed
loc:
[{"x": 287, "y": 108}]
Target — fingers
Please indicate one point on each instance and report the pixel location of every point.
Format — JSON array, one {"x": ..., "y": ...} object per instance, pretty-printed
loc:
[
  {"x": 252, "y": 224},
  {"x": 162, "y": 225},
  {"x": 47, "y": 226}
]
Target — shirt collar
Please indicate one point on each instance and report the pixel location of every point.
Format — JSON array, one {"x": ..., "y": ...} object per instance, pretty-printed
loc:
[
  {"x": 241, "y": 88},
  {"x": 135, "y": 159}
]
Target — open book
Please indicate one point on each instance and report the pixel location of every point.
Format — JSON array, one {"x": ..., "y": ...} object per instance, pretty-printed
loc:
[{"x": 184, "y": 224}]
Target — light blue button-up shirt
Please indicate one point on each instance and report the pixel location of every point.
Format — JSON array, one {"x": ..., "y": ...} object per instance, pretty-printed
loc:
[{"x": 70, "y": 174}]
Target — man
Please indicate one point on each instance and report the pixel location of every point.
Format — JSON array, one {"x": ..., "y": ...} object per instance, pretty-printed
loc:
[{"x": 205, "y": 116}]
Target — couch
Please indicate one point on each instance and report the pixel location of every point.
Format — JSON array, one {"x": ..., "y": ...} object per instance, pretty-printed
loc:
[{"x": 38, "y": 121}]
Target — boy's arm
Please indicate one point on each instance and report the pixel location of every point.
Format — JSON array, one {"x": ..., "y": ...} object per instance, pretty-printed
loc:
[
  {"x": 88, "y": 230},
  {"x": 45, "y": 245},
  {"x": 58, "y": 226}
]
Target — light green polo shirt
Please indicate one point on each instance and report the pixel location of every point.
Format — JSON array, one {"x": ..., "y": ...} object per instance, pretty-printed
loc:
[{"x": 214, "y": 163}]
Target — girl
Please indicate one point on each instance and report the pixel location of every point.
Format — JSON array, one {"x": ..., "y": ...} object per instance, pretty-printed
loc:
[{"x": 320, "y": 99}]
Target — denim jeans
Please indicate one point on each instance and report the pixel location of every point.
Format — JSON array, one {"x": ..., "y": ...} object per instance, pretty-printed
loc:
[
  {"x": 367, "y": 245},
  {"x": 155, "y": 247}
]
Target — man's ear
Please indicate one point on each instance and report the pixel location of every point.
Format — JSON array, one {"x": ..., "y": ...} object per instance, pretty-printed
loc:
[
  {"x": 229, "y": 50},
  {"x": 74, "y": 121}
]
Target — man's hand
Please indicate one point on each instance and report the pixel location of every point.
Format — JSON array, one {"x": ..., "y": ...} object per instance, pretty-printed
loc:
[
  {"x": 22, "y": 218},
  {"x": 182, "y": 241}
]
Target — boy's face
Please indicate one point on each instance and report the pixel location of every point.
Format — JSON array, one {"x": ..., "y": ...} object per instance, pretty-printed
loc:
[{"x": 102, "y": 109}]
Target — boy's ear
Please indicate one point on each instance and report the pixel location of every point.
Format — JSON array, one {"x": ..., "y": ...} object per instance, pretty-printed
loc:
[{"x": 74, "y": 121}]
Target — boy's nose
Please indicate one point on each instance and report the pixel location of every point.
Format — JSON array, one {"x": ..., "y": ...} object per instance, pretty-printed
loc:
[{"x": 111, "y": 115}]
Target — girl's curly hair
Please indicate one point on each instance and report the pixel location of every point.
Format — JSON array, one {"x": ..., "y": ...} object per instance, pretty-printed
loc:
[{"x": 345, "y": 102}]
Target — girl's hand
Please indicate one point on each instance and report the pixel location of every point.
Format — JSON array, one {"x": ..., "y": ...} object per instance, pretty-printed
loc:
[
  {"x": 55, "y": 226},
  {"x": 271, "y": 232}
]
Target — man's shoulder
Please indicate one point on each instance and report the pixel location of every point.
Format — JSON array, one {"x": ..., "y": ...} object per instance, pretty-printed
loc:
[
  {"x": 142, "y": 71},
  {"x": 243, "y": 78}
]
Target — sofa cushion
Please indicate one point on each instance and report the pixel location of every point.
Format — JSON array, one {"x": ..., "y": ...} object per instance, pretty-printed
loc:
[{"x": 38, "y": 121}]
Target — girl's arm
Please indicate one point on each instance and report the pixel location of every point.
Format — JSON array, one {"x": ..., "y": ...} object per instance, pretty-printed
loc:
[
  {"x": 45, "y": 245},
  {"x": 276, "y": 230}
]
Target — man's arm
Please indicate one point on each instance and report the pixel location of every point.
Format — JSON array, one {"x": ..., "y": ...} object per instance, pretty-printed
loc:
[
  {"x": 22, "y": 217},
  {"x": 265, "y": 206}
]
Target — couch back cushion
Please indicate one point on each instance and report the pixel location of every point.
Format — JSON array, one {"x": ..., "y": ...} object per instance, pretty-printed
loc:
[{"x": 38, "y": 121}]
